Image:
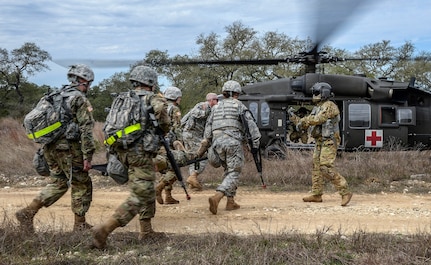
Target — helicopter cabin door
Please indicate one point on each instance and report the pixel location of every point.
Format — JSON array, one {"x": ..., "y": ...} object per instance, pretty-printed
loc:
[{"x": 373, "y": 125}]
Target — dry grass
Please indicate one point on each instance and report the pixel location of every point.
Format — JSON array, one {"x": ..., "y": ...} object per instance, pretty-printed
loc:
[
  {"x": 398, "y": 171},
  {"x": 365, "y": 171},
  {"x": 65, "y": 247}
]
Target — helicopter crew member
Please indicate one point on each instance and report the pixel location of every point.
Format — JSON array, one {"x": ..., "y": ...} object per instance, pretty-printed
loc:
[
  {"x": 225, "y": 133},
  {"x": 193, "y": 124},
  {"x": 324, "y": 126},
  {"x": 173, "y": 96},
  {"x": 69, "y": 152}
]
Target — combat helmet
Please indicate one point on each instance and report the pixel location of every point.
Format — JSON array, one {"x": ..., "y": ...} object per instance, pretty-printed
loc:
[
  {"x": 322, "y": 89},
  {"x": 232, "y": 86},
  {"x": 144, "y": 75},
  {"x": 80, "y": 70},
  {"x": 173, "y": 93}
]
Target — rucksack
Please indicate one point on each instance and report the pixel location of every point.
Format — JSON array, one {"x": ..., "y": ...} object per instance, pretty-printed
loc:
[
  {"x": 117, "y": 170},
  {"x": 51, "y": 116},
  {"x": 127, "y": 121}
]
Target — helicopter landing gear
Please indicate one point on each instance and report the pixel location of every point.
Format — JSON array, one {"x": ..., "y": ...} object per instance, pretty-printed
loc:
[{"x": 275, "y": 151}]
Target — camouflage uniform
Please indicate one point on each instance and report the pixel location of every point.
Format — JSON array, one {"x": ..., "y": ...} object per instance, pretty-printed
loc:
[
  {"x": 324, "y": 129},
  {"x": 138, "y": 157},
  {"x": 65, "y": 159},
  {"x": 193, "y": 131},
  {"x": 226, "y": 134},
  {"x": 141, "y": 171},
  {"x": 69, "y": 157},
  {"x": 175, "y": 134}
]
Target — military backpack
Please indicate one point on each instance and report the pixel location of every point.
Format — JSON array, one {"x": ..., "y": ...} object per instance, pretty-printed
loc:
[
  {"x": 51, "y": 118},
  {"x": 127, "y": 121}
]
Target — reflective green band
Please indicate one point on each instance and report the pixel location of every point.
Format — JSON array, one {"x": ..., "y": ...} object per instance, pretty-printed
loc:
[
  {"x": 128, "y": 130},
  {"x": 44, "y": 131}
]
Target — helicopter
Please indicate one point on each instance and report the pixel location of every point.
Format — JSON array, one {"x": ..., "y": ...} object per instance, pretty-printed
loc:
[{"x": 376, "y": 114}]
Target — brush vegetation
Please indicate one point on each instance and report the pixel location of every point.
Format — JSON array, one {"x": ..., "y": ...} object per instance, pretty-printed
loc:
[{"x": 396, "y": 171}]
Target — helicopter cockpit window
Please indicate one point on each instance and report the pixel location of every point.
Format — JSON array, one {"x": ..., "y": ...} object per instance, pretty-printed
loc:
[
  {"x": 264, "y": 113},
  {"x": 359, "y": 116},
  {"x": 253, "y": 109}
]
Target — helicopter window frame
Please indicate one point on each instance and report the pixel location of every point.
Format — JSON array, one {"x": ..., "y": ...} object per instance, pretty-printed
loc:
[
  {"x": 388, "y": 116},
  {"x": 253, "y": 106},
  {"x": 265, "y": 114},
  {"x": 359, "y": 115},
  {"x": 406, "y": 116}
]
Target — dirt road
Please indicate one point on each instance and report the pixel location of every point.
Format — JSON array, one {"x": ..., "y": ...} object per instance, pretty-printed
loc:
[{"x": 262, "y": 211}]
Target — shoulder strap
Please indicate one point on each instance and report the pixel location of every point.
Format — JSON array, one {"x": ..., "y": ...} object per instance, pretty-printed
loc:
[{"x": 170, "y": 109}]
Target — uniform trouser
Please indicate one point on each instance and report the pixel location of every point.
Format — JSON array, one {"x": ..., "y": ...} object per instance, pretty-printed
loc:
[
  {"x": 324, "y": 156},
  {"x": 65, "y": 163},
  {"x": 168, "y": 178},
  {"x": 227, "y": 152},
  {"x": 142, "y": 197},
  {"x": 192, "y": 143}
]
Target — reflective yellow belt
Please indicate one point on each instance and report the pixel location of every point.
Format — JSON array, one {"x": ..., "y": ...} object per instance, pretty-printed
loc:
[
  {"x": 44, "y": 131},
  {"x": 128, "y": 130}
]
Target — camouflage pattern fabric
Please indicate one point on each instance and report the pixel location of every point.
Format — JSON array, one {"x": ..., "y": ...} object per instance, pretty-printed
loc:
[
  {"x": 181, "y": 157},
  {"x": 142, "y": 195},
  {"x": 325, "y": 150},
  {"x": 226, "y": 149},
  {"x": 193, "y": 131},
  {"x": 65, "y": 159},
  {"x": 174, "y": 113}
]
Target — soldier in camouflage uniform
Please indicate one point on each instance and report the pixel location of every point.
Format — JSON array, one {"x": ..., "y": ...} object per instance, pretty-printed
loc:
[
  {"x": 69, "y": 159},
  {"x": 296, "y": 135},
  {"x": 225, "y": 133},
  {"x": 193, "y": 124},
  {"x": 142, "y": 198},
  {"x": 324, "y": 126},
  {"x": 173, "y": 96}
]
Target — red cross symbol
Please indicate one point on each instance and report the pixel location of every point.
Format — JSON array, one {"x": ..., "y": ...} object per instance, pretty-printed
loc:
[{"x": 373, "y": 138}]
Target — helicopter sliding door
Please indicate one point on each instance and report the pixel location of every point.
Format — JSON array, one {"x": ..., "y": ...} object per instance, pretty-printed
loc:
[{"x": 356, "y": 119}]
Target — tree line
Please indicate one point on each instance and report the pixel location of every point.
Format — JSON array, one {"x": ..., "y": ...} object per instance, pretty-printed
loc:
[{"x": 18, "y": 96}]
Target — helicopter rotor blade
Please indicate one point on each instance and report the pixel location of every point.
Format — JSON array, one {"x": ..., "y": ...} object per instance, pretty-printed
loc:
[
  {"x": 232, "y": 62},
  {"x": 330, "y": 16},
  {"x": 95, "y": 63}
]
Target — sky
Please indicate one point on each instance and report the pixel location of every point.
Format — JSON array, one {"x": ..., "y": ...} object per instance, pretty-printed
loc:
[{"x": 127, "y": 30}]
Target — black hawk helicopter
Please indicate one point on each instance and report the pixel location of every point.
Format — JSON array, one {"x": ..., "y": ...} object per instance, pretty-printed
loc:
[{"x": 375, "y": 113}]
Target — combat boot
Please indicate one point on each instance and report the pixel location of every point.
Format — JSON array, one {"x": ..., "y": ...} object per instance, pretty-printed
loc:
[
  {"x": 193, "y": 182},
  {"x": 313, "y": 198},
  {"x": 169, "y": 199},
  {"x": 101, "y": 232},
  {"x": 26, "y": 215},
  {"x": 214, "y": 201},
  {"x": 345, "y": 199},
  {"x": 147, "y": 231},
  {"x": 80, "y": 224},
  {"x": 231, "y": 204},
  {"x": 159, "y": 189}
]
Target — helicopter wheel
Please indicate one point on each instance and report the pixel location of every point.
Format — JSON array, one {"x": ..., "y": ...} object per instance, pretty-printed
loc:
[{"x": 275, "y": 152}]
